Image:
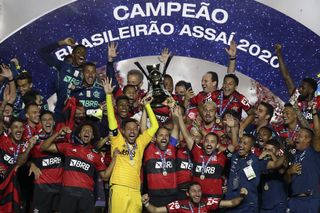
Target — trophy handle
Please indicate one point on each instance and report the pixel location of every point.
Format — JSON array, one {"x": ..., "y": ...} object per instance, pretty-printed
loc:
[
  {"x": 141, "y": 69},
  {"x": 167, "y": 64}
]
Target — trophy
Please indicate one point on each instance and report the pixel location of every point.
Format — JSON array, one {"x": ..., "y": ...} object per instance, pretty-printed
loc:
[{"x": 155, "y": 82}]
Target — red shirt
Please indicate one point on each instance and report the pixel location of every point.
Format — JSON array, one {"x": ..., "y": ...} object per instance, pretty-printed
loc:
[{"x": 212, "y": 183}]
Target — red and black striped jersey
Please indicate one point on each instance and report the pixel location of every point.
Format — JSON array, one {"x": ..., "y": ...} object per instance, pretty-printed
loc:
[{"x": 80, "y": 164}]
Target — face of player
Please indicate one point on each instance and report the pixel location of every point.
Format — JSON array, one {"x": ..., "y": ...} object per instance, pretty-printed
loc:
[
  {"x": 303, "y": 141},
  {"x": 86, "y": 134},
  {"x": 7, "y": 114},
  {"x": 264, "y": 135},
  {"x": 89, "y": 75},
  {"x": 16, "y": 130},
  {"x": 260, "y": 114},
  {"x": 229, "y": 86},
  {"x": 134, "y": 80},
  {"x": 131, "y": 93},
  {"x": 207, "y": 84},
  {"x": 270, "y": 148},
  {"x": 289, "y": 116},
  {"x": 195, "y": 193},
  {"x": 24, "y": 86},
  {"x": 305, "y": 90},
  {"x": 79, "y": 56},
  {"x": 47, "y": 123},
  {"x": 131, "y": 132},
  {"x": 123, "y": 108},
  {"x": 180, "y": 91},
  {"x": 208, "y": 113},
  {"x": 162, "y": 138},
  {"x": 33, "y": 114},
  {"x": 80, "y": 115},
  {"x": 245, "y": 146},
  {"x": 168, "y": 84},
  {"x": 210, "y": 144}
]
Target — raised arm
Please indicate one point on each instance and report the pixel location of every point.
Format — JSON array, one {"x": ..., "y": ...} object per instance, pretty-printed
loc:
[
  {"x": 316, "y": 123},
  {"x": 232, "y": 53},
  {"x": 108, "y": 88},
  {"x": 188, "y": 138},
  {"x": 284, "y": 70},
  {"x": 48, "y": 144},
  {"x": 275, "y": 162},
  {"x": 46, "y": 53},
  {"x": 151, "y": 208},
  {"x": 7, "y": 73},
  {"x": 152, "y": 117},
  {"x": 22, "y": 158},
  {"x": 112, "y": 54}
]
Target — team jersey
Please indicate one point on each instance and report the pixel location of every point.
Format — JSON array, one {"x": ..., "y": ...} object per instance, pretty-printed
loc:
[
  {"x": 287, "y": 134},
  {"x": 90, "y": 97},
  {"x": 185, "y": 206},
  {"x": 235, "y": 101},
  {"x": 208, "y": 171},
  {"x": 184, "y": 165},
  {"x": 81, "y": 162},
  {"x": 29, "y": 131},
  {"x": 9, "y": 152},
  {"x": 50, "y": 165},
  {"x": 160, "y": 170},
  {"x": 67, "y": 76},
  {"x": 200, "y": 98}
]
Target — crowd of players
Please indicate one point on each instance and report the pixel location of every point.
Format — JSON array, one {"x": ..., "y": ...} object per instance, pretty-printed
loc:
[{"x": 194, "y": 153}]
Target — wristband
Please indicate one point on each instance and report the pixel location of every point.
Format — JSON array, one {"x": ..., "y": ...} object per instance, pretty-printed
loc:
[
  {"x": 233, "y": 58},
  {"x": 11, "y": 80},
  {"x": 146, "y": 204},
  {"x": 315, "y": 113}
]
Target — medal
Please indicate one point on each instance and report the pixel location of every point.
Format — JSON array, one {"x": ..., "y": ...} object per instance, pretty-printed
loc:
[
  {"x": 202, "y": 177},
  {"x": 132, "y": 162},
  {"x": 164, "y": 173},
  {"x": 218, "y": 120},
  {"x": 266, "y": 187}
]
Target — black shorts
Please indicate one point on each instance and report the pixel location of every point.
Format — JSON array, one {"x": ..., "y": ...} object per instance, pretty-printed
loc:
[
  {"x": 45, "y": 201},
  {"x": 70, "y": 203}
]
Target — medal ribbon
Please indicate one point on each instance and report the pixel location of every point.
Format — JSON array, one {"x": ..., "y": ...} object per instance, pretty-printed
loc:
[
  {"x": 221, "y": 109},
  {"x": 204, "y": 165},
  {"x": 191, "y": 207},
  {"x": 163, "y": 159},
  {"x": 131, "y": 150}
]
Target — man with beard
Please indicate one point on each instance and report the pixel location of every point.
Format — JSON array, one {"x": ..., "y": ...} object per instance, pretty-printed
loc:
[
  {"x": 81, "y": 163},
  {"x": 208, "y": 163},
  {"x": 195, "y": 202},
  {"x": 305, "y": 94},
  {"x": 246, "y": 169},
  {"x": 209, "y": 124},
  {"x": 125, "y": 180},
  {"x": 13, "y": 153},
  {"x": 47, "y": 168},
  {"x": 69, "y": 74},
  {"x": 90, "y": 94},
  {"x": 304, "y": 171},
  {"x": 160, "y": 169}
]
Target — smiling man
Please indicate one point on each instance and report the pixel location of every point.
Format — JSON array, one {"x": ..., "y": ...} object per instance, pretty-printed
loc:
[{"x": 195, "y": 202}]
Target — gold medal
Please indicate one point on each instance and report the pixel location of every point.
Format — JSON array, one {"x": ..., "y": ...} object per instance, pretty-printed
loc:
[
  {"x": 202, "y": 177},
  {"x": 266, "y": 187},
  {"x": 132, "y": 162},
  {"x": 164, "y": 173},
  {"x": 218, "y": 120}
]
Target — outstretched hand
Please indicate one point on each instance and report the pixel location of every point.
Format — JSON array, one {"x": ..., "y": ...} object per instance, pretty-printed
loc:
[
  {"x": 68, "y": 41},
  {"x": 164, "y": 55},
  {"x": 232, "y": 51},
  {"x": 147, "y": 99},
  {"x": 112, "y": 50},
  {"x": 6, "y": 71},
  {"x": 107, "y": 85}
]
